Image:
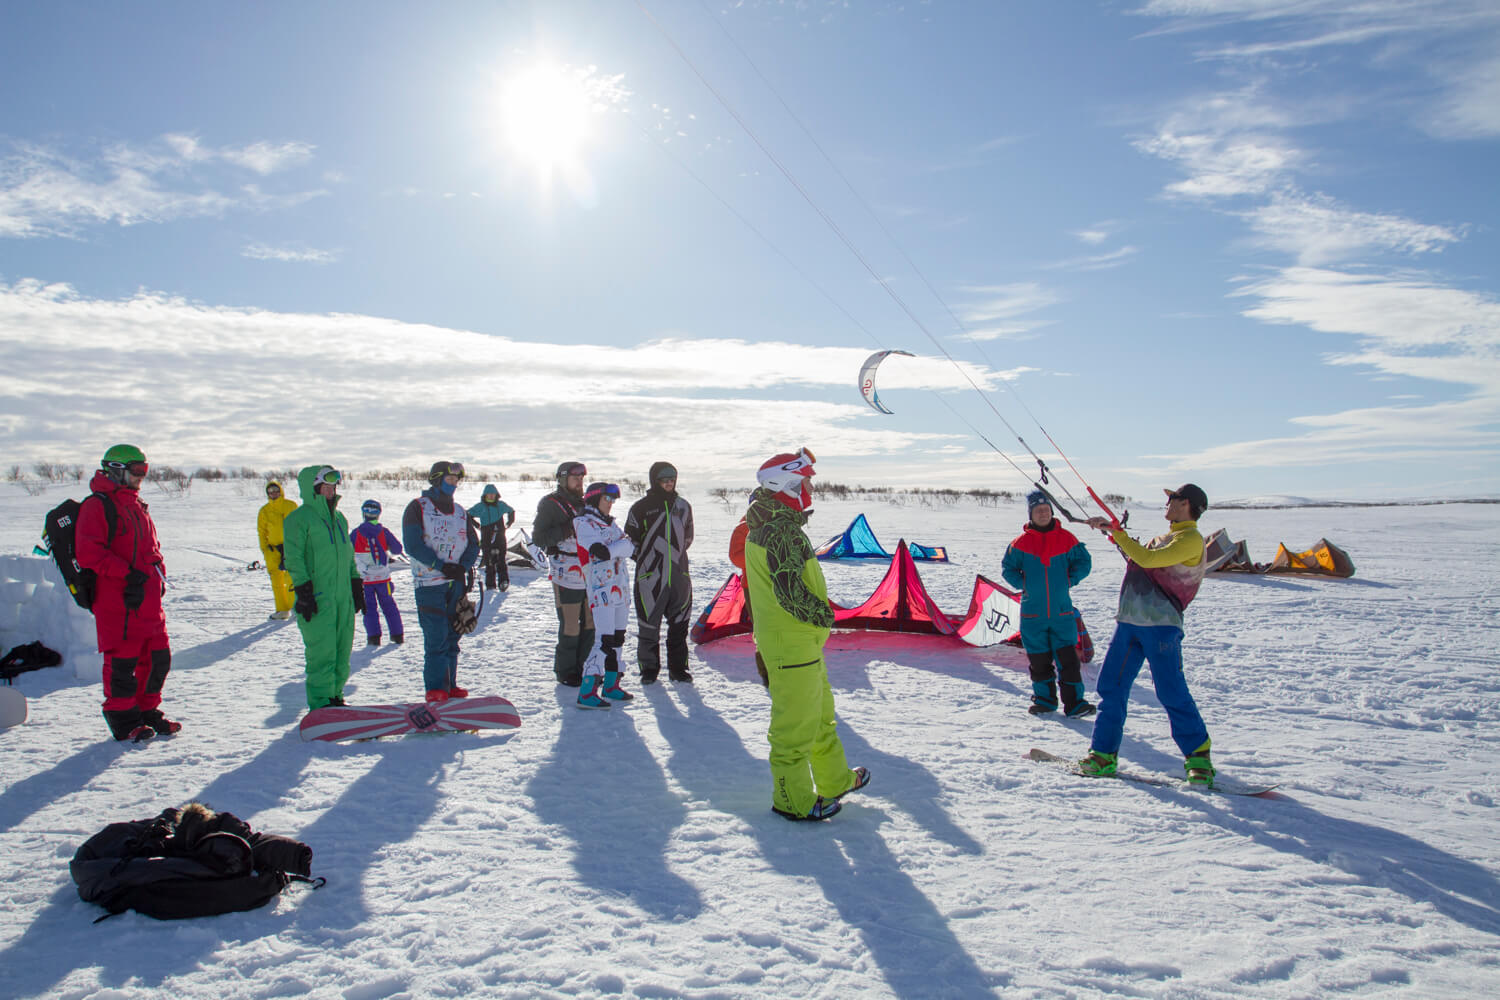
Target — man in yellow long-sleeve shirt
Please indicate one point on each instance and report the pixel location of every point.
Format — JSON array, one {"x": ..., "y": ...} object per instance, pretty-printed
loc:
[
  {"x": 268, "y": 525},
  {"x": 1161, "y": 577}
]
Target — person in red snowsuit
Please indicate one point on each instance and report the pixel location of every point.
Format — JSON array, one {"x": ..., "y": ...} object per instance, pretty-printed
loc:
[{"x": 132, "y": 628}]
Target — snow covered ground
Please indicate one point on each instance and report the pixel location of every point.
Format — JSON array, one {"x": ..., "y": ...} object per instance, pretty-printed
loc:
[{"x": 633, "y": 853}]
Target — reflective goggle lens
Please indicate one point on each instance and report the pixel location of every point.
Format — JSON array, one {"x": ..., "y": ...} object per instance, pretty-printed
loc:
[{"x": 327, "y": 474}]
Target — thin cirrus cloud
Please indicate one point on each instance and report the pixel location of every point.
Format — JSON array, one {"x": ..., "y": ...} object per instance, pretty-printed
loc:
[
  {"x": 1235, "y": 149},
  {"x": 289, "y": 255},
  {"x": 191, "y": 380},
  {"x": 1000, "y": 312},
  {"x": 46, "y": 191}
]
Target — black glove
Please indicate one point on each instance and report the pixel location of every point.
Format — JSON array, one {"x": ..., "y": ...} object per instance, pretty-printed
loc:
[
  {"x": 599, "y": 551},
  {"x": 280, "y": 551},
  {"x": 135, "y": 588},
  {"x": 453, "y": 571},
  {"x": 358, "y": 586},
  {"x": 306, "y": 604}
]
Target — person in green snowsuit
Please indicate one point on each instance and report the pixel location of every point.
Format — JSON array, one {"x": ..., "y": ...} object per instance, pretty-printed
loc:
[
  {"x": 809, "y": 773},
  {"x": 320, "y": 558}
]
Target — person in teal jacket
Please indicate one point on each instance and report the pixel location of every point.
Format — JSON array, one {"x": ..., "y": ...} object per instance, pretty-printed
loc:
[
  {"x": 493, "y": 516},
  {"x": 1044, "y": 563},
  {"x": 329, "y": 591},
  {"x": 809, "y": 773}
]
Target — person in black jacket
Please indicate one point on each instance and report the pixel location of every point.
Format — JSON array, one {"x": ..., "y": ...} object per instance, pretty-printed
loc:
[
  {"x": 552, "y": 532},
  {"x": 660, "y": 524}
]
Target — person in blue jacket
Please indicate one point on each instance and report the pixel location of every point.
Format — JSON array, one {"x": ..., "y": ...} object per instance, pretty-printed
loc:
[
  {"x": 443, "y": 547},
  {"x": 1044, "y": 563},
  {"x": 493, "y": 516}
]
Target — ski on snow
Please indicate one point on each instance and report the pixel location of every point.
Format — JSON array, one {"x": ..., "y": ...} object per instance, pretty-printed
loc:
[{"x": 1222, "y": 785}]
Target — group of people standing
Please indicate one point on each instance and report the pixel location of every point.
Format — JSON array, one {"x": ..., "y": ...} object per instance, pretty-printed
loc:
[{"x": 324, "y": 573}]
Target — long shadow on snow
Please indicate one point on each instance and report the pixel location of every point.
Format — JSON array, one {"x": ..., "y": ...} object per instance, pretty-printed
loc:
[
  {"x": 619, "y": 840},
  {"x": 907, "y": 937},
  {"x": 1456, "y": 887},
  {"x": 256, "y": 785},
  {"x": 207, "y": 654},
  {"x": 32, "y": 794}
]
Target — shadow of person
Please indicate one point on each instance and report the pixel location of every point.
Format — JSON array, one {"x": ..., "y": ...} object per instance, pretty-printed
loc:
[
  {"x": 847, "y": 858},
  {"x": 912, "y": 787},
  {"x": 619, "y": 841},
  {"x": 27, "y": 796},
  {"x": 1460, "y": 889},
  {"x": 256, "y": 785},
  {"x": 206, "y": 654}
]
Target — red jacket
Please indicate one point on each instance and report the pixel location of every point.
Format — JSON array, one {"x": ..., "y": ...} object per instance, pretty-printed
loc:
[{"x": 134, "y": 546}]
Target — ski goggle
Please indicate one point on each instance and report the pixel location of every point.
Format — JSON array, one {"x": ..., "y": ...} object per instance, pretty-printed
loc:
[
  {"x": 134, "y": 468},
  {"x": 273, "y": 490},
  {"x": 609, "y": 490},
  {"x": 327, "y": 474},
  {"x": 451, "y": 469},
  {"x": 667, "y": 473},
  {"x": 803, "y": 462}
]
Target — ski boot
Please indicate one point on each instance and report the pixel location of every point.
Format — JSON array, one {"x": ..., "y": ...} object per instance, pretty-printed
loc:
[
  {"x": 612, "y": 689},
  {"x": 398, "y": 639},
  {"x": 162, "y": 725},
  {"x": 458, "y": 692},
  {"x": 1099, "y": 764},
  {"x": 436, "y": 696},
  {"x": 1043, "y": 697},
  {"x": 822, "y": 809},
  {"x": 1081, "y": 710},
  {"x": 861, "y": 779},
  {"x": 588, "y": 694},
  {"x": 373, "y": 640},
  {"x": 1200, "y": 770}
]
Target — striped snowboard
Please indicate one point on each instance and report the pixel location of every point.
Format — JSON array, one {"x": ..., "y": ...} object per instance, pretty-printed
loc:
[{"x": 367, "y": 722}]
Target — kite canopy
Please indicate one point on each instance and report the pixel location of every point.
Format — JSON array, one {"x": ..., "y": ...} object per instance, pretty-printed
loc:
[
  {"x": 899, "y": 604},
  {"x": 858, "y": 541},
  {"x": 1323, "y": 559},
  {"x": 867, "y": 377}
]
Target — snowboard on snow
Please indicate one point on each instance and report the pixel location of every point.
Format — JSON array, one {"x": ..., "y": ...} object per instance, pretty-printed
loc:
[
  {"x": 12, "y": 707},
  {"x": 1222, "y": 784},
  {"x": 367, "y": 722}
]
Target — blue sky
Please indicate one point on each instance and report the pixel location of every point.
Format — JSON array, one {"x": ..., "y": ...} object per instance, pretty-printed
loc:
[{"x": 1251, "y": 243}]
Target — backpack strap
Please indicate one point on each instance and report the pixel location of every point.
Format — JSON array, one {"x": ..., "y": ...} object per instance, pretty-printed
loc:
[{"x": 111, "y": 516}]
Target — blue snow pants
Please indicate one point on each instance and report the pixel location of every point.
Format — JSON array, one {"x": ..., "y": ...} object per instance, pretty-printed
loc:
[
  {"x": 380, "y": 597},
  {"x": 435, "y": 607},
  {"x": 1161, "y": 646}
]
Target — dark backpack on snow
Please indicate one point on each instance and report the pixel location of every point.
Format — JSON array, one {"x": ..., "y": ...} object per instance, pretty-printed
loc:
[
  {"x": 189, "y": 862},
  {"x": 58, "y": 534}
]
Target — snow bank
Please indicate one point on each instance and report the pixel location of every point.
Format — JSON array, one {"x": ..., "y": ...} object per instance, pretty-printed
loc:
[{"x": 35, "y": 604}]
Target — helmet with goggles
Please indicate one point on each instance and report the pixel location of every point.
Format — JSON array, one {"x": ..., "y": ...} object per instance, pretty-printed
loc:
[
  {"x": 441, "y": 469},
  {"x": 124, "y": 458},
  {"x": 787, "y": 474}
]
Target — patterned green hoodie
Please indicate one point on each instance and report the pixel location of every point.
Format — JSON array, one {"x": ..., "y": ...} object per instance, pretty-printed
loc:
[{"x": 787, "y": 589}]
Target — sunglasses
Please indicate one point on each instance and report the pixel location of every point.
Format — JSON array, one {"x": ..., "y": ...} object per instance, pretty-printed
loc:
[
  {"x": 1175, "y": 496},
  {"x": 134, "y": 468}
]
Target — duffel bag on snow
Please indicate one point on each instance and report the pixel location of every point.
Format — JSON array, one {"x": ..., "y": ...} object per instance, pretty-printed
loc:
[{"x": 188, "y": 862}]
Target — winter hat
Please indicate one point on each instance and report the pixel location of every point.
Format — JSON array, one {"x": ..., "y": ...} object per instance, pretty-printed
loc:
[
  {"x": 600, "y": 491},
  {"x": 660, "y": 471},
  {"x": 1035, "y": 499},
  {"x": 370, "y": 509},
  {"x": 1194, "y": 495},
  {"x": 787, "y": 475}
]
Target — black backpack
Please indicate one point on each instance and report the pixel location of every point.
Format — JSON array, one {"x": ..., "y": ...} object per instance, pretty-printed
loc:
[
  {"x": 58, "y": 535},
  {"x": 188, "y": 862}
]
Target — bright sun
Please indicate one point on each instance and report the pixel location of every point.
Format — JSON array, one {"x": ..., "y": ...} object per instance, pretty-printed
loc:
[{"x": 546, "y": 117}]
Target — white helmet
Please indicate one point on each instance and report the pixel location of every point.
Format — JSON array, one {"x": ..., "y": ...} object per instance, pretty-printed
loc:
[{"x": 787, "y": 474}]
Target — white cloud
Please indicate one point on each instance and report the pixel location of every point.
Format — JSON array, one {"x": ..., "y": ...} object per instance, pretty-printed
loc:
[
  {"x": 205, "y": 384},
  {"x": 1317, "y": 231},
  {"x": 1095, "y": 262},
  {"x": 45, "y": 192},
  {"x": 260, "y": 251}
]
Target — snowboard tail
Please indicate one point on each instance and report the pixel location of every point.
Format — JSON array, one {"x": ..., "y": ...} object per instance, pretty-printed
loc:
[
  {"x": 1222, "y": 785},
  {"x": 366, "y": 722}
]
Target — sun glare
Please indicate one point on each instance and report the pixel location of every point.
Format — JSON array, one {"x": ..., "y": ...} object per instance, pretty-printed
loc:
[{"x": 547, "y": 117}]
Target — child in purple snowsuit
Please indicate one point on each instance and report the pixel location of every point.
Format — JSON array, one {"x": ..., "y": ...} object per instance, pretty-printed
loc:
[{"x": 373, "y": 548}]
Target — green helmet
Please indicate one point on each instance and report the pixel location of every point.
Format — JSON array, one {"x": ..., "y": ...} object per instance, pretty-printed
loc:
[{"x": 120, "y": 455}]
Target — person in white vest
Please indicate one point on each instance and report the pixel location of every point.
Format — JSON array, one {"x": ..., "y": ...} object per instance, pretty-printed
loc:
[
  {"x": 602, "y": 552},
  {"x": 443, "y": 547}
]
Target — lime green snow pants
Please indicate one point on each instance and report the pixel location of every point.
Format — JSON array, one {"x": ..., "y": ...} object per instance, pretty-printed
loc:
[
  {"x": 807, "y": 759},
  {"x": 327, "y": 641}
]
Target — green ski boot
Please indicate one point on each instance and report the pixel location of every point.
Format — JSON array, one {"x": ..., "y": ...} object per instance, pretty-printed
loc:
[{"x": 1099, "y": 764}]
